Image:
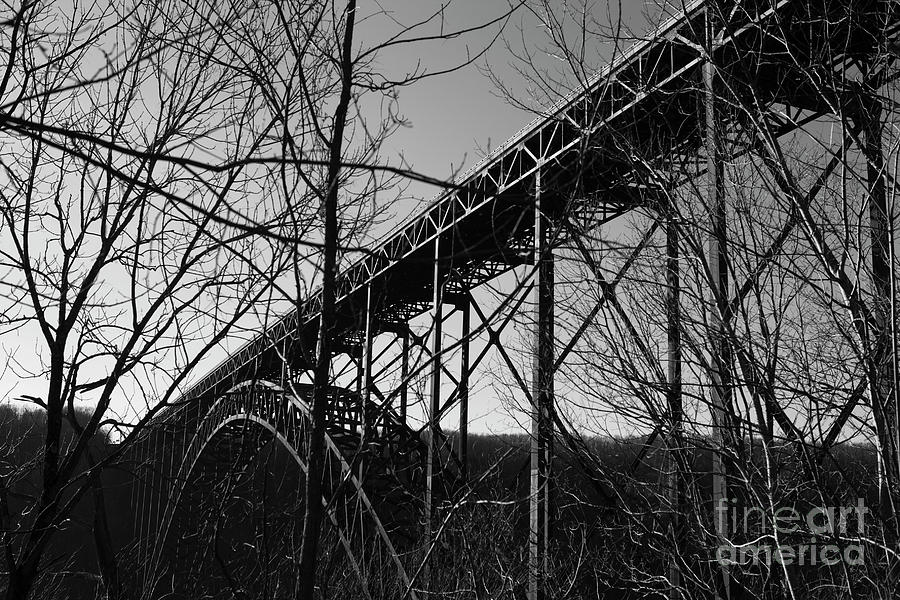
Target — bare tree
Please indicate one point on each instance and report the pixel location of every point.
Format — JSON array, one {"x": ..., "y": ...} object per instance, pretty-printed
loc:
[{"x": 129, "y": 199}]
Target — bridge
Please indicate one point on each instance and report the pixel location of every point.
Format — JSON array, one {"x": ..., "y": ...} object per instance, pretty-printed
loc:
[{"x": 718, "y": 81}]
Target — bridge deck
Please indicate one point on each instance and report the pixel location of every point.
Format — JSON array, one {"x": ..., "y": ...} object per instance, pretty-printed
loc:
[{"x": 650, "y": 97}]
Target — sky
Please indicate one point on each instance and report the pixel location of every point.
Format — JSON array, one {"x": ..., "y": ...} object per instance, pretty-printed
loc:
[{"x": 455, "y": 118}]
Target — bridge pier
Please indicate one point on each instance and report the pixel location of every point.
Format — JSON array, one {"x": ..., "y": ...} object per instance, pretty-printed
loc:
[
  {"x": 884, "y": 390},
  {"x": 542, "y": 405},
  {"x": 720, "y": 397},
  {"x": 462, "y": 439},
  {"x": 404, "y": 374},
  {"x": 676, "y": 486},
  {"x": 366, "y": 358}
]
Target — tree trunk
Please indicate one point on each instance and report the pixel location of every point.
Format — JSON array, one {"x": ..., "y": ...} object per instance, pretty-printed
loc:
[{"x": 312, "y": 518}]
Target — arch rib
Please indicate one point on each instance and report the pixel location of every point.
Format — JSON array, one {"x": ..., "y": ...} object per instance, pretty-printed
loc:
[{"x": 286, "y": 415}]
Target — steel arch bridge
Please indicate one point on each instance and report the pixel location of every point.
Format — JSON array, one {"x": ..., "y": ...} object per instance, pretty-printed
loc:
[
  {"x": 286, "y": 414},
  {"x": 559, "y": 178}
]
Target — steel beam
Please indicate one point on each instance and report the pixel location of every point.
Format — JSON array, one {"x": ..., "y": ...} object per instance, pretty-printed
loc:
[
  {"x": 359, "y": 390},
  {"x": 674, "y": 401},
  {"x": 366, "y": 429},
  {"x": 884, "y": 398},
  {"x": 368, "y": 336},
  {"x": 404, "y": 375},
  {"x": 432, "y": 464},
  {"x": 718, "y": 268},
  {"x": 462, "y": 438},
  {"x": 542, "y": 405},
  {"x": 421, "y": 343},
  {"x": 608, "y": 290}
]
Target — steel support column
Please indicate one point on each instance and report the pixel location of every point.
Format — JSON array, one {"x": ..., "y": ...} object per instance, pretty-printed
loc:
[
  {"x": 356, "y": 424},
  {"x": 366, "y": 358},
  {"x": 432, "y": 464},
  {"x": 404, "y": 375},
  {"x": 718, "y": 267},
  {"x": 884, "y": 398},
  {"x": 462, "y": 439},
  {"x": 542, "y": 405},
  {"x": 674, "y": 400}
]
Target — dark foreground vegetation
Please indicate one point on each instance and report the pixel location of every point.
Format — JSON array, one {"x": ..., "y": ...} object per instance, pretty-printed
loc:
[{"x": 239, "y": 525}]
